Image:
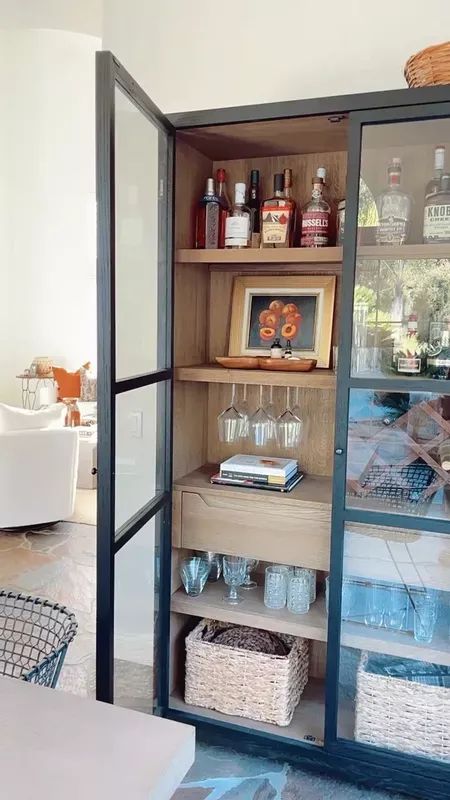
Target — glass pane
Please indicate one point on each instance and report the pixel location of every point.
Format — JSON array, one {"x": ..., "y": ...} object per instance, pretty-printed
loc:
[
  {"x": 394, "y": 679},
  {"x": 140, "y": 450},
  {"x": 140, "y": 163},
  {"x": 398, "y": 457},
  {"x": 135, "y": 618},
  {"x": 402, "y": 285}
]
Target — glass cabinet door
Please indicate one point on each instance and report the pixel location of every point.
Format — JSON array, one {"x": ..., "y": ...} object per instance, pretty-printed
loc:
[{"x": 390, "y": 573}]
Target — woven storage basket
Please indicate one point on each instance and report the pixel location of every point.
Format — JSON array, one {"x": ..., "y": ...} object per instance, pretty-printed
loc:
[
  {"x": 242, "y": 682},
  {"x": 402, "y": 715},
  {"x": 429, "y": 67}
]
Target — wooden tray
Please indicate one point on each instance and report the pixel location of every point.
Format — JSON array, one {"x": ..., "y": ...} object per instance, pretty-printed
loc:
[
  {"x": 288, "y": 364},
  {"x": 238, "y": 362}
]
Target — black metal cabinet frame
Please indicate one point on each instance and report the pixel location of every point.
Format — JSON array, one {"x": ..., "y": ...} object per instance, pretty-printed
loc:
[{"x": 370, "y": 766}]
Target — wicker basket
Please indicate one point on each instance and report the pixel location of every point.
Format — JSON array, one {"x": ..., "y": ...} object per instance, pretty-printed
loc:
[
  {"x": 402, "y": 715},
  {"x": 429, "y": 67},
  {"x": 245, "y": 683}
]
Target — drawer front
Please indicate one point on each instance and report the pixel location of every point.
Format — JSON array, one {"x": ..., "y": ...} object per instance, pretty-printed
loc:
[{"x": 298, "y": 535}]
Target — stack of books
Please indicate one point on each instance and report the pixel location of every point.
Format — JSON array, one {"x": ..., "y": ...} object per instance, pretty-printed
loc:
[{"x": 255, "y": 472}]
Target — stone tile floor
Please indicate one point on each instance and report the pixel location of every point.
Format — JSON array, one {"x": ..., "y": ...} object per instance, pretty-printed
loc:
[
  {"x": 59, "y": 564},
  {"x": 220, "y": 774}
]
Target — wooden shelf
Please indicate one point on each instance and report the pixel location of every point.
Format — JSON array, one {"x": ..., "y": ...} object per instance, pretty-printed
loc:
[
  {"x": 276, "y": 255},
  {"x": 252, "y": 612},
  {"x": 313, "y": 625},
  {"x": 313, "y": 490},
  {"x": 213, "y": 373},
  {"x": 396, "y": 643},
  {"x": 323, "y": 256},
  {"x": 405, "y": 251},
  {"x": 307, "y": 722}
]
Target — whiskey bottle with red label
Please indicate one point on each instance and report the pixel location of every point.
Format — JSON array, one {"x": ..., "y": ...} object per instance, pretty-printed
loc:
[
  {"x": 316, "y": 217},
  {"x": 277, "y": 217}
]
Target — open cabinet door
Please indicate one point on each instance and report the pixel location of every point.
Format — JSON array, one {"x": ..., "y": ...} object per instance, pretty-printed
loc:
[{"x": 134, "y": 206}]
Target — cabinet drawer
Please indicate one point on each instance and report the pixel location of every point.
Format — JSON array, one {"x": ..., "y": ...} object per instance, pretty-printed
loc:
[{"x": 297, "y": 534}]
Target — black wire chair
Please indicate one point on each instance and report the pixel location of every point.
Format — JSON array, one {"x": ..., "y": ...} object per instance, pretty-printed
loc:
[{"x": 34, "y": 637}]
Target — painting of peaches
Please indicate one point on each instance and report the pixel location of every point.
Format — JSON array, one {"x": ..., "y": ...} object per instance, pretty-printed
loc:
[{"x": 282, "y": 317}]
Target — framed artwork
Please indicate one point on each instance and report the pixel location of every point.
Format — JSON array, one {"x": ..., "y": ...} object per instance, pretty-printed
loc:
[{"x": 295, "y": 307}]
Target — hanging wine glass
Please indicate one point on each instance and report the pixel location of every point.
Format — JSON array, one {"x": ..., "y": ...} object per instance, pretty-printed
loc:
[
  {"x": 298, "y": 412},
  {"x": 229, "y": 422},
  {"x": 259, "y": 425},
  {"x": 244, "y": 410},
  {"x": 289, "y": 427},
  {"x": 271, "y": 412}
]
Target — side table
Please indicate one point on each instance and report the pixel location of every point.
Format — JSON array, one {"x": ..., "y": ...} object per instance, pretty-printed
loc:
[{"x": 31, "y": 386}]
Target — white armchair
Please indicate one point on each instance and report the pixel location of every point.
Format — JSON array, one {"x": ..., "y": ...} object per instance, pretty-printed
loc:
[{"x": 38, "y": 475}]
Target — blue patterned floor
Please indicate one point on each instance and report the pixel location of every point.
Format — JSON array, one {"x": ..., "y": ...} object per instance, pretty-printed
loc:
[{"x": 220, "y": 774}]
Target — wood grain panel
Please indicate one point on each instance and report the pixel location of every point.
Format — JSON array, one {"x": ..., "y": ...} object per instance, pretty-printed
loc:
[
  {"x": 315, "y": 453},
  {"x": 191, "y": 315},
  {"x": 325, "y": 256},
  {"x": 190, "y": 404},
  {"x": 267, "y": 530},
  {"x": 191, "y": 170},
  {"x": 213, "y": 373},
  {"x": 303, "y": 167},
  {"x": 221, "y": 292},
  {"x": 270, "y": 137}
]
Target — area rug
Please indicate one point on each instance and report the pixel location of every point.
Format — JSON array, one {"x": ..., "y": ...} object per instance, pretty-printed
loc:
[
  {"x": 220, "y": 774},
  {"x": 85, "y": 507}
]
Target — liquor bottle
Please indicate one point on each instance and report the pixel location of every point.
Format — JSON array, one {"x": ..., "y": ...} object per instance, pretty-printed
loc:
[
  {"x": 237, "y": 226},
  {"x": 208, "y": 218},
  {"x": 225, "y": 209},
  {"x": 277, "y": 217},
  {"x": 436, "y": 215},
  {"x": 434, "y": 184},
  {"x": 316, "y": 218},
  {"x": 276, "y": 350},
  {"x": 254, "y": 206},
  {"x": 287, "y": 176},
  {"x": 394, "y": 209}
]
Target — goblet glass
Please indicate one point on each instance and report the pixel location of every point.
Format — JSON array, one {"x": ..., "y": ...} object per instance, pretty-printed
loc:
[
  {"x": 234, "y": 569},
  {"x": 252, "y": 563},
  {"x": 271, "y": 411},
  {"x": 288, "y": 428},
  {"x": 243, "y": 408},
  {"x": 215, "y": 564},
  {"x": 194, "y": 573},
  {"x": 260, "y": 424},
  {"x": 229, "y": 422}
]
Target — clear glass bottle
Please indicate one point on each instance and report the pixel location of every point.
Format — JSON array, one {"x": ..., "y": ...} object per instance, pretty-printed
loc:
[
  {"x": 237, "y": 226},
  {"x": 208, "y": 218},
  {"x": 316, "y": 217},
  {"x": 225, "y": 203},
  {"x": 254, "y": 203},
  {"x": 394, "y": 209},
  {"x": 277, "y": 217},
  {"x": 436, "y": 214},
  {"x": 434, "y": 184}
]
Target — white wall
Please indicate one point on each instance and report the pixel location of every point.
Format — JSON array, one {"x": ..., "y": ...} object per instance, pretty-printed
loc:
[
  {"x": 47, "y": 168},
  {"x": 200, "y": 54}
]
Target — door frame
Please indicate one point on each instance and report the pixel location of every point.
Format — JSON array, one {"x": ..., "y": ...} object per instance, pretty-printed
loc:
[
  {"x": 416, "y": 765},
  {"x": 109, "y": 75}
]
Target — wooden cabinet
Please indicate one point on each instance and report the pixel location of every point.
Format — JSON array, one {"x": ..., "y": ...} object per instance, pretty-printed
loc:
[
  {"x": 288, "y": 529},
  {"x": 367, "y": 427}
]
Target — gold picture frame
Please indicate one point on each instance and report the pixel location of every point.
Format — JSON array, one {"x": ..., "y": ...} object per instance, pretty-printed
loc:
[{"x": 295, "y": 307}]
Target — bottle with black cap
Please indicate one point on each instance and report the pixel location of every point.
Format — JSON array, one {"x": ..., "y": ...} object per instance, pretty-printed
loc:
[
  {"x": 277, "y": 217},
  {"x": 254, "y": 206}
]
